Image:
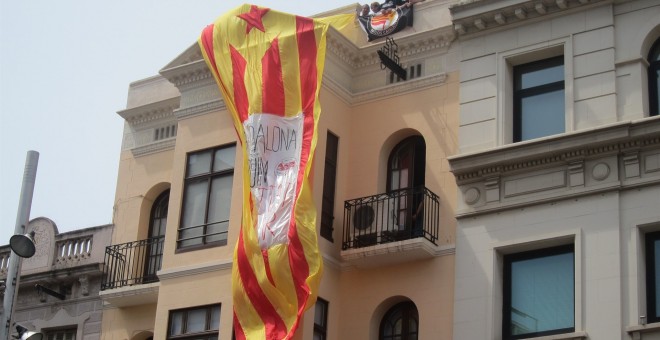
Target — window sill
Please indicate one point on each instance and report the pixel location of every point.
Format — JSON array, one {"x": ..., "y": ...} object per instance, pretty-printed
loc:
[
  {"x": 639, "y": 329},
  {"x": 564, "y": 336}
]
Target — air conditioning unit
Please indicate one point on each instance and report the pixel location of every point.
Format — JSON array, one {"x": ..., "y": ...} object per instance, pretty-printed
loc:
[{"x": 370, "y": 219}]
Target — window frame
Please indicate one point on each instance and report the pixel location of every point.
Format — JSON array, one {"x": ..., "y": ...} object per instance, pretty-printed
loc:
[
  {"x": 329, "y": 186},
  {"x": 51, "y": 334},
  {"x": 408, "y": 310},
  {"x": 208, "y": 177},
  {"x": 506, "y": 288},
  {"x": 520, "y": 94},
  {"x": 207, "y": 334},
  {"x": 654, "y": 79},
  {"x": 651, "y": 307},
  {"x": 322, "y": 329}
]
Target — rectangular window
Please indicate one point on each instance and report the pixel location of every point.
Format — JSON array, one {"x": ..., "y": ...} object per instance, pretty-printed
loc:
[
  {"x": 61, "y": 334},
  {"x": 538, "y": 106},
  {"x": 199, "y": 323},
  {"x": 329, "y": 183},
  {"x": 539, "y": 293},
  {"x": 653, "y": 276},
  {"x": 320, "y": 319},
  {"x": 207, "y": 197}
]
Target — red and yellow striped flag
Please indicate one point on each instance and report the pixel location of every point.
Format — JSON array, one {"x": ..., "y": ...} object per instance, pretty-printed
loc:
[{"x": 268, "y": 66}]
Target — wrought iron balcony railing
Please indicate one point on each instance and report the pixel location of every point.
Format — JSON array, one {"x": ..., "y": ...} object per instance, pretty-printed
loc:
[
  {"x": 394, "y": 216},
  {"x": 132, "y": 263}
]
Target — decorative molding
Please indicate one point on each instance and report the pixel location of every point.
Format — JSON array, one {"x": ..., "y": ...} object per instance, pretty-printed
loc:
[
  {"x": 391, "y": 90},
  {"x": 150, "y": 112},
  {"x": 477, "y": 16},
  {"x": 550, "y": 157},
  {"x": 161, "y": 145},
  {"x": 200, "y": 109},
  {"x": 197, "y": 269}
]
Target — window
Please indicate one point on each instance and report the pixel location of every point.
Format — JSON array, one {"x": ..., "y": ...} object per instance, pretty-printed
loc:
[
  {"x": 406, "y": 171},
  {"x": 329, "y": 184},
  {"x": 200, "y": 323},
  {"x": 401, "y": 322},
  {"x": 654, "y": 78},
  {"x": 207, "y": 197},
  {"x": 157, "y": 224},
  {"x": 538, "y": 106},
  {"x": 61, "y": 334},
  {"x": 539, "y": 291},
  {"x": 320, "y": 319},
  {"x": 653, "y": 276}
]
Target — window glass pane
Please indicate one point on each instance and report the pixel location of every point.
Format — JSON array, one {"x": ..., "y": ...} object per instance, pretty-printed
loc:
[
  {"x": 199, "y": 163},
  {"x": 219, "y": 206},
  {"x": 542, "y": 294},
  {"x": 196, "y": 321},
  {"x": 542, "y": 115},
  {"x": 220, "y": 199},
  {"x": 657, "y": 89},
  {"x": 215, "y": 318},
  {"x": 318, "y": 336},
  {"x": 192, "y": 221},
  {"x": 195, "y": 204},
  {"x": 656, "y": 246},
  {"x": 543, "y": 76},
  {"x": 176, "y": 323},
  {"x": 224, "y": 159},
  {"x": 319, "y": 313}
]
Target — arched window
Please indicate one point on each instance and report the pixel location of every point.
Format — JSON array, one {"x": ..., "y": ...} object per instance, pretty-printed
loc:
[
  {"x": 654, "y": 78},
  {"x": 401, "y": 322},
  {"x": 157, "y": 224},
  {"x": 406, "y": 164},
  {"x": 405, "y": 178}
]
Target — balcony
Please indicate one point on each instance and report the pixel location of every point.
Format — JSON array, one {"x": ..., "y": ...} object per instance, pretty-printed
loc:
[
  {"x": 398, "y": 226},
  {"x": 130, "y": 277}
]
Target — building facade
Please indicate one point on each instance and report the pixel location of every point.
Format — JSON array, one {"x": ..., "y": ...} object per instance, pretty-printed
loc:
[
  {"x": 558, "y": 170},
  {"x": 384, "y": 195},
  {"x": 69, "y": 266}
]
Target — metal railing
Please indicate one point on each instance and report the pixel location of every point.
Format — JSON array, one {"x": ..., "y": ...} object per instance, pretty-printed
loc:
[
  {"x": 132, "y": 263},
  {"x": 389, "y": 217}
]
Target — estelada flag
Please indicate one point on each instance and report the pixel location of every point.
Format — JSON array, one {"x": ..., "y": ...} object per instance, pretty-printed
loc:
[{"x": 268, "y": 66}]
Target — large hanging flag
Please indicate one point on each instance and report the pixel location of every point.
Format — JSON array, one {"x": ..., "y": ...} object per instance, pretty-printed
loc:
[{"x": 268, "y": 66}]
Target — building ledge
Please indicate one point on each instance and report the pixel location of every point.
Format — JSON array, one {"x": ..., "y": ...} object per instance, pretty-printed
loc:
[
  {"x": 566, "y": 336},
  {"x": 143, "y": 294},
  {"x": 394, "y": 253},
  {"x": 637, "y": 330}
]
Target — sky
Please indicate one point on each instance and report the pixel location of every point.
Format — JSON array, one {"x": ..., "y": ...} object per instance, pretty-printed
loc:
[{"x": 65, "y": 68}]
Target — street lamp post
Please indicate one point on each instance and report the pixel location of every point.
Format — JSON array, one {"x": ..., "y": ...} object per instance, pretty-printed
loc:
[{"x": 22, "y": 217}]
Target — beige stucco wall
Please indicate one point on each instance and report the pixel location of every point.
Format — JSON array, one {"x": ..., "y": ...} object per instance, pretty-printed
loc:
[
  {"x": 368, "y": 129},
  {"x": 126, "y": 323}
]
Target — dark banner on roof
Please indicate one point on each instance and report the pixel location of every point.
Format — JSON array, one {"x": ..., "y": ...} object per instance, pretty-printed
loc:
[{"x": 386, "y": 22}]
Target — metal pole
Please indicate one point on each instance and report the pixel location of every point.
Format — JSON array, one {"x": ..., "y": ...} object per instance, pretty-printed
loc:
[{"x": 22, "y": 217}]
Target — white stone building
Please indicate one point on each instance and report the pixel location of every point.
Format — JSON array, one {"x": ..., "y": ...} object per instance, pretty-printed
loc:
[
  {"x": 59, "y": 286},
  {"x": 558, "y": 170}
]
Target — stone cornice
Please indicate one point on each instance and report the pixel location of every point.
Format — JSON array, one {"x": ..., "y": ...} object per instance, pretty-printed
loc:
[
  {"x": 472, "y": 17},
  {"x": 161, "y": 145},
  {"x": 385, "y": 91},
  {"x": 187, "y": 75},
  {"x": 409, "y": 47},
  {"x": 150, "y": 112},
  {"x": 201, "y": 108},
  {"x": 612, "y": 139},
  {"x": 197, "y": 269}
]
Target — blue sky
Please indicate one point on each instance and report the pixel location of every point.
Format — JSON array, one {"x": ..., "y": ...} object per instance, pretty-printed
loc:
[{"x": 65, "y": 67}]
